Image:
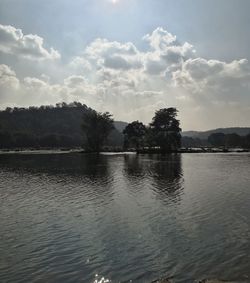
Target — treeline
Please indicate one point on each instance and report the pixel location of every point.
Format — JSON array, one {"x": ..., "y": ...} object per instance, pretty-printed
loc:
[
  {"x": 76, "y": 125},
  {"x": 219, "y": 140},
  {"x": 229, "y": 140},
  {"x": 47, "y": 127}
]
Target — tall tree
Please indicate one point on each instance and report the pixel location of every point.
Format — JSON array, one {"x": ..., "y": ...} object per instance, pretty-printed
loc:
[
  {"x": 166, "y": 129},
  {"x": 96, "y": 128},
  {"x": 134, "y": 134}
]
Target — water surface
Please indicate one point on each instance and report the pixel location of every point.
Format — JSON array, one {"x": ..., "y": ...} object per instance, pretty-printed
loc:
[{"x": 68, "y": 217}]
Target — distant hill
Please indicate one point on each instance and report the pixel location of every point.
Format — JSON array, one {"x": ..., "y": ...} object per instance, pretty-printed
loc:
[
  {"x": 241, "y": 131},
  {"x": 120, "y": 126}
]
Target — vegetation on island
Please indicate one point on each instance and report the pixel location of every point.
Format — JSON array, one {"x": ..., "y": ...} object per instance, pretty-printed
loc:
[
  {"x": 134, "y": 135},
  {"x": 96, "y": 128},
  {"x": 162, "y": 134},
  {"x": 75, "y": 125},
  {"x": 58, "y": 126}
]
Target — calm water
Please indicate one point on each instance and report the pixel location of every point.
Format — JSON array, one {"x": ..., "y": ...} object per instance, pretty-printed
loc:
[{"x": 67, "y": 217}]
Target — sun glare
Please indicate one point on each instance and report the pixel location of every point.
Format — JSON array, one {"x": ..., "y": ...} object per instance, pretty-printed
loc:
[{"x": 115, "y": 1}]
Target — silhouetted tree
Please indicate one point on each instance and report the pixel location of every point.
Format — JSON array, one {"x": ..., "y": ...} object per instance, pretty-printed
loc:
[
  {"x": 233, "y": 140},
  {"x": 134, "y": 134},
  {"x": 6, "y": 139},
  {"x": 47, "y": 126},
  {"x": 166, "y": 129},
  {"x": 246, "y": 141},
  {"x": 192, "y": 142},
  {"x": 217, "y": 139},
  {"x": 96, "y": 127}
]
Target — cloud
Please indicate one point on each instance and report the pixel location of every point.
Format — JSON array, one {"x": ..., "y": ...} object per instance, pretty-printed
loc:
[
  {"x": 74, "y": 81},
  {"x": 160, "y": 39},
  {"x": 9, "y": 85},
  {"x": 80, "y": 64},
  {"x": 113, "y": 55},
  {"x": 29, "y": 46},
  {"x": 166, "y": 54},
  {"x": 121, "y": 63},
  {"x": 119, "y": 77},
  {"x": 34, "y": 83},
  {"x": 8, "y": 77},
  {"x": 37, "y": 91},
  {"x": 103, "y": 47},
  {"x": 202, "y": 76}
]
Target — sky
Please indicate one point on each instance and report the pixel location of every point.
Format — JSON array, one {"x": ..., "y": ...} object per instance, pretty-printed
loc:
[{"x": 130, "y": 57}]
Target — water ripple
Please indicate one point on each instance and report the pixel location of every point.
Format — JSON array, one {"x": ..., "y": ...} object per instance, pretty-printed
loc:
[{"x": 128, "y": 218}]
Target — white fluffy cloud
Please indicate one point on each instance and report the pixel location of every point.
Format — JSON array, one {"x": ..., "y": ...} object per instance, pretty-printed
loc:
[
  {"x": 160, "y": 39},
  {"x": 166, "y": 54},
  {"x": 200, "y": 75},
  {"x": 8, "y": 77},
  {"x": 113, "y": 55},
  {"x": 9, "y": 85},
  {"x": 30, "y": 46},
  {"x": 132, "y": 84},
  {"x": 102, "y": 47}
]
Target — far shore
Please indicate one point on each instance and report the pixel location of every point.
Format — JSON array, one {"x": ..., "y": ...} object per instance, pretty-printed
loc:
[{"x": 118, "y": 151}]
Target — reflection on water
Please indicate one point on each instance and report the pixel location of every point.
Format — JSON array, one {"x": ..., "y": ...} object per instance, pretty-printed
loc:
[
  {"x": 162, "y": 173},
  {"x": 72, "y": 164},
  {"x": 69, "y": 217}
]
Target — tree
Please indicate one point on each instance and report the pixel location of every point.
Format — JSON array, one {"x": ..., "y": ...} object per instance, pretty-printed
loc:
[
  {"x": 246, "y": 141},
  {"x": 96, "y": 127},
  {"x": 217, "y": 139},
  {"x": 47, "y": 126},
  {"x": 6, "y": 140},
  {"x": 134, "y": 134},
  {"x": 233, "y": 140},
  {"x": 166, "y": 129}
]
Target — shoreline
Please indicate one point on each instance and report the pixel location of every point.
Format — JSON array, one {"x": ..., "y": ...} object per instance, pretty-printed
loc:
[{"x": 117, "y": 152}]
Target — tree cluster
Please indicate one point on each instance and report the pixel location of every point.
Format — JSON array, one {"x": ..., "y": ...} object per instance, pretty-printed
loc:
[
  {"x": 96, "y": 127},
  {"x": 229, "y": 140},
  {"x": 76, "y": 125},
  {"x": 162, "y": 133},
  {"x": 219, "y": 140},
  {"x": 188, "y": 142},
  {"x": 48, "y": 126}
]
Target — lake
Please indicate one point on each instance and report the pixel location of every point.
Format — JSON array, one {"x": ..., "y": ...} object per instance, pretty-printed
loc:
[{"x": 127, "y": 218}]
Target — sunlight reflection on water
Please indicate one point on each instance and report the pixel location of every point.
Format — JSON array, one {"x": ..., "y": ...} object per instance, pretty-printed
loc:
[{"x": 101, "y": 280}]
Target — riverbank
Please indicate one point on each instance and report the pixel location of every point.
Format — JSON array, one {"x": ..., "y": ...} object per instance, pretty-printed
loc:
[
  {"x": 112, "y": 152},
  {"x": 193, "y": 150},
  {"x": 198, "y": 281},
  {"x": 40, "y": 151}
]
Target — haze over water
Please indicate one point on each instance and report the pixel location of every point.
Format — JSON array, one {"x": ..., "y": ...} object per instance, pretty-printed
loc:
[{"x": 68, "y": 217}]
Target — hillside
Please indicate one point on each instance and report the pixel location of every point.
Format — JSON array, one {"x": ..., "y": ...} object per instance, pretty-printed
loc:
[
  {"x": 241, "y": 131},
  {"x": 49, "y": 126}
]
